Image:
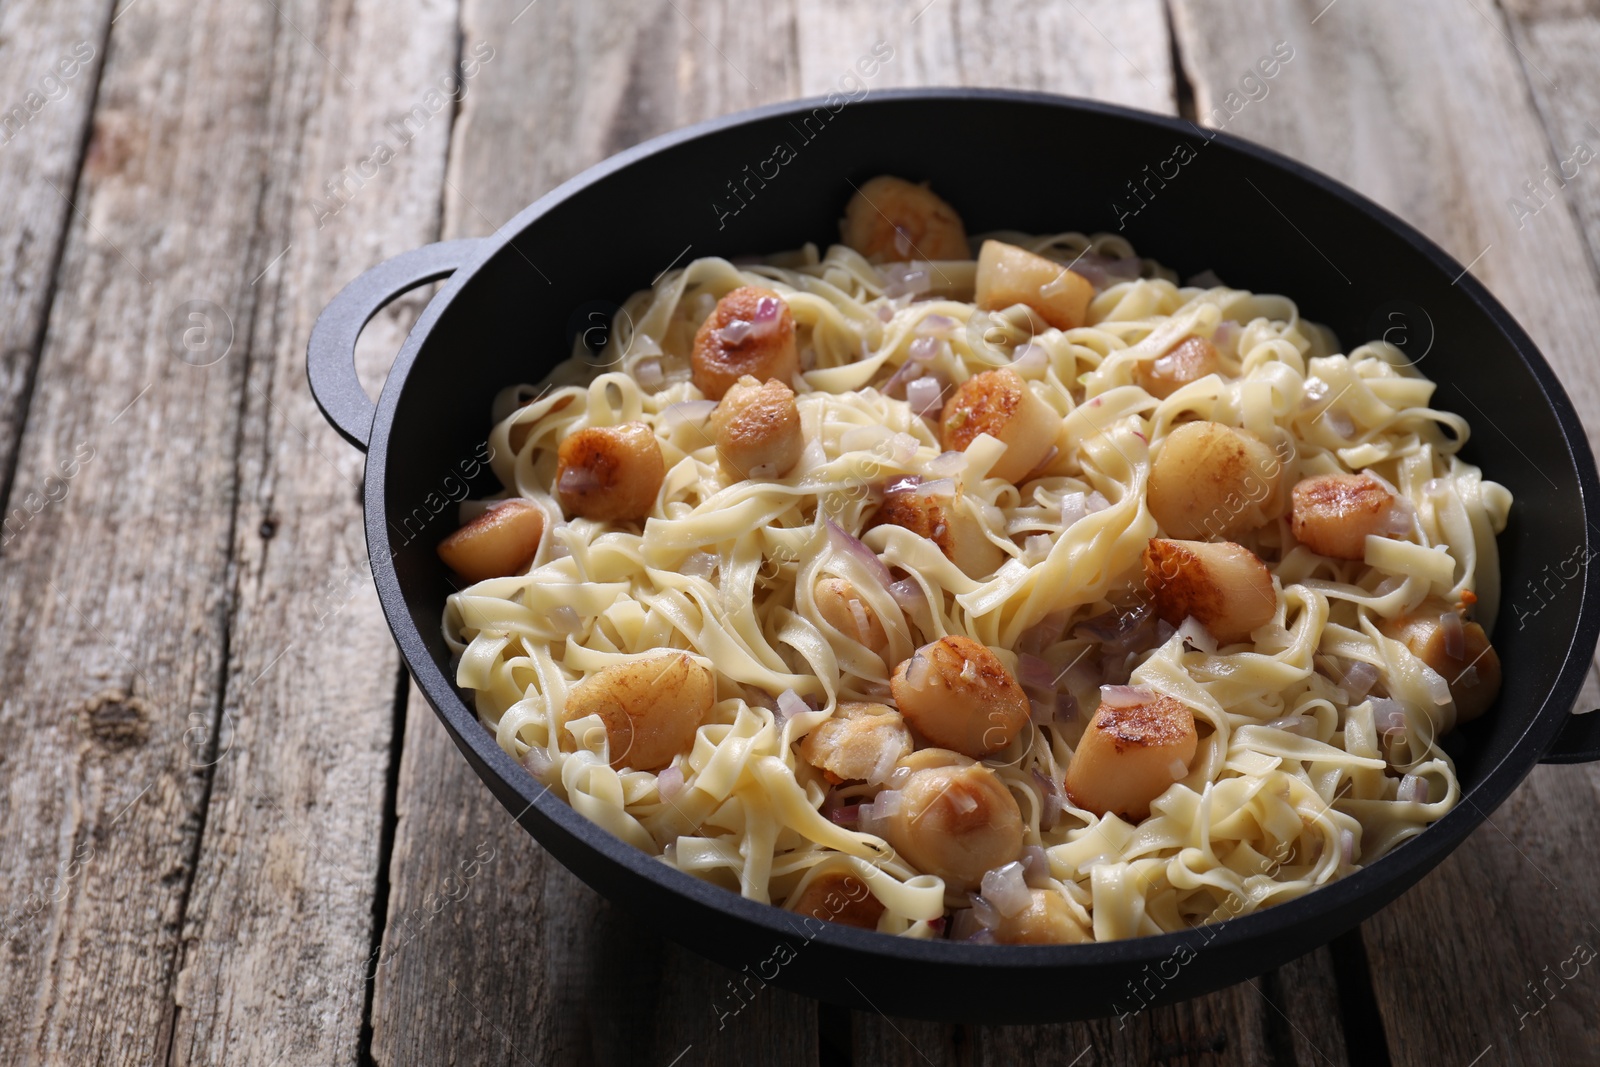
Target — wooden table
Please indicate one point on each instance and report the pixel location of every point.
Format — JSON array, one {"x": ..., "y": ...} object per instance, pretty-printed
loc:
[{"x": 232, "y": 834}]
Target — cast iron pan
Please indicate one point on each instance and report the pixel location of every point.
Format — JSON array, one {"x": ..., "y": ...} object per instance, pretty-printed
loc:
[{"x": 516, "y": 300}]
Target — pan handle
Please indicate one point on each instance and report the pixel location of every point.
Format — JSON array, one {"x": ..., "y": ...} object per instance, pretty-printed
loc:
[
  {"x": 1578, "y": 741},
  {"x": 331, "y": 352}
]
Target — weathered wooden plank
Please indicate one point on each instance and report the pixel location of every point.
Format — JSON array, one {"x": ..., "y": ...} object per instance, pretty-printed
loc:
[
  {"x": 279, "y": 924},
  {"x": 530, "y": 966},
  {"x": 50, "y": 56},
  {"x": 1364, "y": 100},
  {"x": 1096, "y": 48},
  {"x": 112, "y": 630}
]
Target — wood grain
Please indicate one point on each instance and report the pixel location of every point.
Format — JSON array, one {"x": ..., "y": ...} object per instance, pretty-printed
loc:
[
  {"x": 50, "y": 57},
  {"x": 1451, "y": 960},
  {"x": 115, "y": 603},
  {"x": 279, "y": 923}
]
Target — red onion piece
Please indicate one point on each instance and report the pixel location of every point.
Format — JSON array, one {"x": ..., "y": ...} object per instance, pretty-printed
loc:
[
  {"x": 904, "y": 483},
  {"x": 1096, "y": 502},
  {"x": 1388, "y": 714},
  {"x": 1033, "y": 671},
  {"x": 987, "y": 914},
  {"x": 923, "y": 349},
  {"x": 648, "y": 373},
  {"x": 1006, "y": 887},
  {"x": 1401, "y": 519},
  {"x": 1120, "y": 632},
  {"x": 936, "y": 326},
  {"x": 853, "y": 547},
  {"x": 1359, "y": 678},
  {"x": 908, "y": 594},
  {"x": 734, "y": 332},
  {"x": 1042, "y": 634},
  {"x": 1413, "y": 790},
  {"x": 848, "y": 816},
  {"x": 937, "y": 487},
  {"x": 885, "y": 313},
  {"x": 1051, "y": 796},
  {"x": 872, "y": 816},
  {"x": 538, "y": 761},
  {"x": 1455, "y": 635},
  {"x": 1294, "y": 724},
  {"x": 923, "y": 394},
  {"x": 1074, "y": 506},
  {"x": 1035, "y": 867},
  {"x": 1225, "y": 334},
  {"x": 669, "y": 783},
  {"x": 767, "y": 309},
  {"x": 1125, "y": 696},
  {"x": 1469, "y": 677},
  {"x": 904, "y": 279},
  {"x": 947, "y": 464},
  {"x": 790, "y": 704},
  {"x": 907, "y": 372},
  {"x": 1206, "y": 279},
  {"x": 566, "y": 619}
]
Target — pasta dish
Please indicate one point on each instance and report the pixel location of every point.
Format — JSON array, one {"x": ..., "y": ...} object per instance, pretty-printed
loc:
[{"x": 1026, "y": 596}]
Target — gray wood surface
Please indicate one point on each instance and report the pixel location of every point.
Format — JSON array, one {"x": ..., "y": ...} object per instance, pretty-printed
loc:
[{"x": 226, "y": 836}]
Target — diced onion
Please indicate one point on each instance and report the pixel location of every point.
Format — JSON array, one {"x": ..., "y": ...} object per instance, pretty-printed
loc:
[
  {"x": 987, "y": 914},
  {"x": 1096, "y": 502},
  {"x": 566, "y": 619},
  {"x": 1006, "y": 887},
  {"x": 885, "y": 312},
  {"x": 1035, "y": 672},
  {"x": 962, "y": 801},
  {"x": 947, "y": 464},
  {"x": 1388, "y": 714},
  {"x": 790, "y": 704},
  {"x": 1178, "y": 769},
  {"x": 1359, "y": 678},
  {"x": 1195, "y": 635},
  {"x": 908, "y": 594},
  {"x": 577, "y": 480},
  {"x": 1050, "y": 795},
  {"x": 1074, "y": 506},
  {"x": 1455, "y": 635},
  {"x": 937, "y": 487},
  {"x": 1226, "y": 332},
  {"x": 1036, "y": 548},
  {"x": 853, "y": 547},
  {"x": 734, "y": 332},
  {"x": 1035, "y": 867},
  {"x": 936, "y": 326},
  {"x": 767, "y": 309},
  {"x": 1438, "y": 688},
  {"x": 871, "y": 817},
  {"x": 538, "y": 761},
  {"x": 1294, "y": 724},
  {"x": 1125, "y": 696},
  {"x": 1413, "y": 790},
  {"x": 648, "y": 373},
  {"x": 1469, "y": 677},
  {"x": 669, "y": 783},
  {"x": 884, "y": 767},
  {"x": 909, "y": 371},
  {"x": 924, "y": 349},
  {"x": 1042, "y": 634},
  {"x": 848, "y": 816},
  {"x": 903, "y": 279},
  {"x": 923, "y": 394}
]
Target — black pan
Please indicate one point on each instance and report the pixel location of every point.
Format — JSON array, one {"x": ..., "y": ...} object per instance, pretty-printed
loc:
[{"x": 1012, "y": 160}]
